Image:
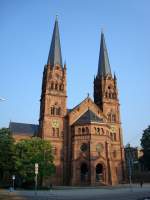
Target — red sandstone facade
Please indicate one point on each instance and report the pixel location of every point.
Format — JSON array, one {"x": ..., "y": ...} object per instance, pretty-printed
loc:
[{"x": 87, "y": 140}]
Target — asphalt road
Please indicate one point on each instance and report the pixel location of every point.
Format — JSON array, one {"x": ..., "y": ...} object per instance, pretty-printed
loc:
[{"x": 79, "y": 194}]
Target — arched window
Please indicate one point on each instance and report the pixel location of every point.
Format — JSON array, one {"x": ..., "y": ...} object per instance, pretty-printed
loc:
[
  {"x": 62, "y": 87},
  {"x": 113, "y": 117},
  {"x": 106, "y": 95},
  {"x": 110, "y": 95},
  {"x": 79, "y": 131},
  {"x": 83, "y": 130},
  {"x": 114, "y": 95},
  {"x": 59, "y": 111},
  {"x": 98, "y": 131},
  {"x": 57, "y": 132},
  {"x": 53, "y": 132},
  {"x": 56, "y": 86},
  {"x": 52, "y": 111},
  {"x": 109, "y": 117},
  {"x": 87, "y": 130},
  {"x": 113, "y": 136},
  {"x": 102, "y": 131},
  {"x": 55, "y": 110}
]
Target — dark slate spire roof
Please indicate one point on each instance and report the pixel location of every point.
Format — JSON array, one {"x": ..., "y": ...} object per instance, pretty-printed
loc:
[
  {"x": 103, "y": 64},
  {"x": 88, "y": 117},
  {"x": 22, "y": 128},
  {"x": 55, "y": 56}
]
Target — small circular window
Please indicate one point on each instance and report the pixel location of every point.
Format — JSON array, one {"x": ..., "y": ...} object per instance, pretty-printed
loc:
[{"x": 84, "y": 147}]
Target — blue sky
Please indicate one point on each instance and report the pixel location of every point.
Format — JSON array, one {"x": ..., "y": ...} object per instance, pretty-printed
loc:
[{"x": 25, "y": 35}]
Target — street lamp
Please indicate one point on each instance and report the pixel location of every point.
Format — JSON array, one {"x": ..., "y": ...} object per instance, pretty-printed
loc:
[
  {"x": 129, "y": 164},
  {"x": 13, "y": 179}
]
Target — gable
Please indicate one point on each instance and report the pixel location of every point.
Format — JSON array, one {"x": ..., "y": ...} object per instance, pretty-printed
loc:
[{"x": 80, "y": 109}]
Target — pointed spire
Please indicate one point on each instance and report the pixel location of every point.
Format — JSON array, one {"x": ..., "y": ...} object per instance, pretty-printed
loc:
[
  {"x": 55, "y": 56},
  {"x": 103, "y": 64}
]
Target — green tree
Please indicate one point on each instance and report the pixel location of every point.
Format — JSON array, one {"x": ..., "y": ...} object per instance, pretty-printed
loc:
[
  {"x": 7, "y": 155},
  {"x": 145, "y": 143},
  {"x": 29, "y": 152}
]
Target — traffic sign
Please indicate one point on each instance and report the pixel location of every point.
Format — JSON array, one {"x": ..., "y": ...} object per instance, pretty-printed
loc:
[{"x": 36, "y": 168}]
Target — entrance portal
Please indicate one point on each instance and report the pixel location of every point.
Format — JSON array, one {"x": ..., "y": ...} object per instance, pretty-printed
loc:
[
  {"x": 84, "y": 172},
  {"x": 99, "y": 172}
]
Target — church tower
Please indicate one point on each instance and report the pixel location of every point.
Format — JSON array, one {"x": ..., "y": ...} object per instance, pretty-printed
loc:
[
  {"x": 105, "y": 86},
  {"x": 106, "y": 97},
  {"x": 53, "y": 103}
]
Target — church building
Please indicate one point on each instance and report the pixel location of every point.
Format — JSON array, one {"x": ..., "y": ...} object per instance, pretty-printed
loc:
[{"x": 87, "y": 139}]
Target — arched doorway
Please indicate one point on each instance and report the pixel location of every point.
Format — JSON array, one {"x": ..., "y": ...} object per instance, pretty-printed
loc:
[
  {"x": 84, "y": 172},
  {"x": 99, "y": 173}
]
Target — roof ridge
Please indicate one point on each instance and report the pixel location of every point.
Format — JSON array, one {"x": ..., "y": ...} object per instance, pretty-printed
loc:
[{"x": 22, "y": 123}]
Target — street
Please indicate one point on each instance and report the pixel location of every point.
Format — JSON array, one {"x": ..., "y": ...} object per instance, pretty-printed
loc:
[{"x": 136, "y": 193}]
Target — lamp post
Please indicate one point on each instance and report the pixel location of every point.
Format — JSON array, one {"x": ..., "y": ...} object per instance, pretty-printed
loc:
[
  {"x": 130, "y": 164},
  {"x": 13, "y": 179}
]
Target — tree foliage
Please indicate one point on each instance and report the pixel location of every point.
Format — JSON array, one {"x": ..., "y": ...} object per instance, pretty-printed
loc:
[
  {"x": 145, "y": 143},
  {"x": 19, "y": 158},
  {"x": 29, "y": 152},
  {"x": 7, "y": 154}
]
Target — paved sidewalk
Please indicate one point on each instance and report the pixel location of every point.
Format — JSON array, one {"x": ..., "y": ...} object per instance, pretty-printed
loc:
[
  {"x": 120, "y": 192},
  {"x": 80, "y": 190},
  {"x": 135, "y": 185}
]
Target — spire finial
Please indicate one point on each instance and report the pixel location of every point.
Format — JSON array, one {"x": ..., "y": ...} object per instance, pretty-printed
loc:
[{"x": 56, "y": 18}]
